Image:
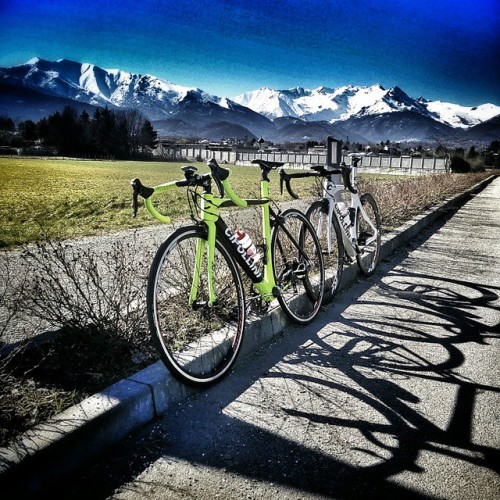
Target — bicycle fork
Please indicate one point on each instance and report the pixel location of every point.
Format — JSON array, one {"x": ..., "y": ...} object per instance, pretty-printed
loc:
[
  {"x": 201, "y": 246},
  {"x": 205, "y": 256}
]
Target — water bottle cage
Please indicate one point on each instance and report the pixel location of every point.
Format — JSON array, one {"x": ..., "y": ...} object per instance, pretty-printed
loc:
[{"x": 352, "y": 215}]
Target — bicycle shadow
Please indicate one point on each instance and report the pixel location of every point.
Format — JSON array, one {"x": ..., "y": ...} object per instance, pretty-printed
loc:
[
  {"x": 366, "y": 355},
  {"x": 332, "y": 409}
]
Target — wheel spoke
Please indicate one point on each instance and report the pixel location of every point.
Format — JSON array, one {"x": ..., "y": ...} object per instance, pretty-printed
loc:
[
  {"x": 298, "y": 267},
  {"x": 198, "y": 341}
]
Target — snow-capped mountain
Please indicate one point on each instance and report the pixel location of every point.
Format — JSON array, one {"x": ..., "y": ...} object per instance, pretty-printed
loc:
[
  {"x": 460, "y": 116},
  {"x": 38, "y": 88},
  {"x": 273, "y": 103},
  {"x": 156, "y": 98},
  {"x": 93, "y": 85},
  {"x": 328, "y": 104},
  {"x": 354, "y": 102}
]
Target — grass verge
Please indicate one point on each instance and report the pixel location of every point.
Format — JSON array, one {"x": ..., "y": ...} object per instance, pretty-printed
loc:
[{"x": 70, "y": 198}]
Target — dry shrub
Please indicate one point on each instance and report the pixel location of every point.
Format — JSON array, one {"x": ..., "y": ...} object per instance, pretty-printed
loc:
[
  {"x": 18, "y": 399},
  {"x": 401, "y": 199},
  {"x": 76, "y": 287},
  {"x": 95, "y": 298}
]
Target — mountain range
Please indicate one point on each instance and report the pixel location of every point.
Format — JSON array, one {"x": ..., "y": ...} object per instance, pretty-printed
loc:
[{"x": 363, "y": 114}]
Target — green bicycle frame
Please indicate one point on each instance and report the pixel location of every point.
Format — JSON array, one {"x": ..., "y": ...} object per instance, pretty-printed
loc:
[{"x": 217, "y": 229}]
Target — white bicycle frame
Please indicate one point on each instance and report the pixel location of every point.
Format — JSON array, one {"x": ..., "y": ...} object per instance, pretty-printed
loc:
[{"x": 331, "y": 193}]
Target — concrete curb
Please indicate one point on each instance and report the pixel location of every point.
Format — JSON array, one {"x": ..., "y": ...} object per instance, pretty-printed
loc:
[{"x": 72, "y": 438}]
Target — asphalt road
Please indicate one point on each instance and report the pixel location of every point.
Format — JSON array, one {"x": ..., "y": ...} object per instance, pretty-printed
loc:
[{"x": 393, "y": 392}]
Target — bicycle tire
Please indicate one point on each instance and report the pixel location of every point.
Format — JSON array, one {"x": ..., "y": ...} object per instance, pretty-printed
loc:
[
  {"x": 198, "y": 343},
  {"x": 368, "y": 258},
  {"x": 301, "y": 281},
  {"x": 333, "y": 260}
]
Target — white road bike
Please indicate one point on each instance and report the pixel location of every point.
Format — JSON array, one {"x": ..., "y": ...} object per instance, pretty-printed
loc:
[{"x": 346, "y": 232}]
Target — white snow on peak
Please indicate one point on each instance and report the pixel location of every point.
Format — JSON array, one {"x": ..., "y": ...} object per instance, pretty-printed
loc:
[
  {"x": 461, "y": 116},
  {"x": 322, "y": 103},
  {"x": 88, "y": 79},
  {"x": 224, "y": 102},
  {"x": 92, "y": 84},
  {"x": 271, "y": 103}
]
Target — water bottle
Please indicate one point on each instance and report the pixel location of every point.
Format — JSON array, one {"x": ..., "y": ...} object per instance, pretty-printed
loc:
[
  {"x": 246, "y": 242},
  {"x": 342, "y": 209}
]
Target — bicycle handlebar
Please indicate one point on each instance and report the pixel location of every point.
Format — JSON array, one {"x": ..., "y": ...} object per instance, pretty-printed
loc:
[
  {"x": 286, "y": 178},
  {"x": 219, "y": 174},
  {"x": 147, "y": 193},
  {"x": 319, "y": 171},
  {"x": 221, "y": 178}
]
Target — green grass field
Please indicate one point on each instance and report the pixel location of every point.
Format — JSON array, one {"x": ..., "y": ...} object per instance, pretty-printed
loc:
[
  {"x": 68, "y": 198},
  {"x": 64, "y": 199}
]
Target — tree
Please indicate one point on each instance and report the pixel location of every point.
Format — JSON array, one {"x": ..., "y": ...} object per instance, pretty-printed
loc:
[
  {"x": 84, "y": 140},
  {"x": 148, "y": 137},
  {"x": 70, "y": 133},
  {"x": 472, "y": 153},
  {"x": 135, "y": 121},
  {"x": 122, "y": 139},
  {"x": 28, "y": 130},
  {"x": 106, "y": 133},
  {"x": 7, "y": 124},
  {"x": 494, "y": 146},
  {"x": 103, "y": 132},
  {"x": 441, "y": 149},
  {"x": 43, "y": 129},
  {"x": 459, "y": 164}
]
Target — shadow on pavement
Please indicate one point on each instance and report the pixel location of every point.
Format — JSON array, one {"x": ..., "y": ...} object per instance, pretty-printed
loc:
[{"x": 330, "y": 409}]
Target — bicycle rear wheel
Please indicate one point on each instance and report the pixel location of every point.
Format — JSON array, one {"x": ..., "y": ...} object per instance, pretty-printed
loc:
[
  {"x": 298, "y": 266},
  {"x": 368, "y": 243},
  {"x": 197, "y": 342},
  {"x": 333, "y": 254}
]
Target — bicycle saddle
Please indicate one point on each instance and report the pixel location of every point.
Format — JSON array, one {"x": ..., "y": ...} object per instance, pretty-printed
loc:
[{"x": 269, "y": 165}]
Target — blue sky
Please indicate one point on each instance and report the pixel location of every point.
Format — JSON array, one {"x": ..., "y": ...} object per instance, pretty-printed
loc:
[{"x": 442, "y": 50}]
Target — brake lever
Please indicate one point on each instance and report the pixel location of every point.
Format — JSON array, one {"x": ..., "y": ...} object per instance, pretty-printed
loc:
[
  {"x": 346, "y": 171},
  {"x": 139, "y": 189},
  {"x": 215, "y": 169}
]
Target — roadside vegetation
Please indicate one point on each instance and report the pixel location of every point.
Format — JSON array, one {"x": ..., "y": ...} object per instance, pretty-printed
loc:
[
  {"x": 64, "y": 199},
  {"x": 94, "y": 297}
]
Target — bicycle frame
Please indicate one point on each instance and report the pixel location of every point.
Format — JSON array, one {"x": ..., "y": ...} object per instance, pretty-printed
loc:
[
  {"x": 217, "y": 229},
  {"x": 349, "y": 230}
]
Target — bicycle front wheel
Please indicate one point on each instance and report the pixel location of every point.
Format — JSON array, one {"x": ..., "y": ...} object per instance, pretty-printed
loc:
[
  {"x": 197, "y": 341},
  {"x": 298, "y": 266},
  {"x": 330, "y": 239},
  {"x": 368, "y": 232}
]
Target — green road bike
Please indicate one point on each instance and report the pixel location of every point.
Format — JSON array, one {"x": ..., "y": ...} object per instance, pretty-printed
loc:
[{"x": 196, "y": 301}]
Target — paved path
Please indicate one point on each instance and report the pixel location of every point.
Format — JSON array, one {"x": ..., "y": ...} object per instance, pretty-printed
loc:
[{"x": 394, "y": 391}]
